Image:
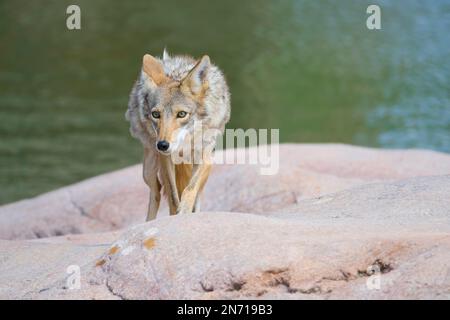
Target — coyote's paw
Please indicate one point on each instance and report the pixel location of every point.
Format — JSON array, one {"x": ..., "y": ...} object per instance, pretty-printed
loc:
[{"x": 182, "y": 209}]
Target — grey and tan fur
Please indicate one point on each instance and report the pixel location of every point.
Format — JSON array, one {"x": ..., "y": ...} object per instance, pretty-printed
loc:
[{"x": 169, "y": 96}]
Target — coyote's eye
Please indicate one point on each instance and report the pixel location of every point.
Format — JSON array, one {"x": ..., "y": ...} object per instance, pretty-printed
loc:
[
  {"x": 181, "y": 114},
  {"x": 155, "y": 114}
]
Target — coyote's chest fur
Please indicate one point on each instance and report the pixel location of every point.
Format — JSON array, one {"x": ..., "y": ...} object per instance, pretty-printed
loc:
[{"x": 173, "y": 100}]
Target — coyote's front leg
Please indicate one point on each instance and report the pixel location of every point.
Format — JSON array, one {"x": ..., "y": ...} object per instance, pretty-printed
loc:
[
  {"x": 191, "y": 193},
  {"x": 150, "y": 173},
  {"x": 170, "y": 183}
]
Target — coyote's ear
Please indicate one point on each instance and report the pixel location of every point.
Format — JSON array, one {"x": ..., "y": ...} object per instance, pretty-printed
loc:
[
  {"x": 195, "y": 81},
  {"x": 153, "y": 69}
]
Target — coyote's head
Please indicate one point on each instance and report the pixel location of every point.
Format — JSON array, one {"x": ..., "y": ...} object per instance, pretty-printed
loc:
[{"x": 170, "y": 106}]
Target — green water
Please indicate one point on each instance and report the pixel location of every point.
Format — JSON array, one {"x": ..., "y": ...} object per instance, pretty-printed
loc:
[{"x": 310, "y": 68}]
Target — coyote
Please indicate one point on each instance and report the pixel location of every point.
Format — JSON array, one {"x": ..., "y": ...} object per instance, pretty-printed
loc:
[{"x": 169, "y": 96}]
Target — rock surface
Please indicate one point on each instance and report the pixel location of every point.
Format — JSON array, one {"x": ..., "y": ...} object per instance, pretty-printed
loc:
[
  {"x": 335, "y": 222},
  {"x": 119, "y": 199}
]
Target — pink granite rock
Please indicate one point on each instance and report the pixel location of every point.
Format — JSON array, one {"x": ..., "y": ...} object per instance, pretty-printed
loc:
[
  {"x": 119, "y": 199},
  {"x": 337, "y": 222}
]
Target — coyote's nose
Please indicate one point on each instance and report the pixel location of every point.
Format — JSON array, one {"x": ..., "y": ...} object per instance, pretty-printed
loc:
[{"x": 162, "y": 145}]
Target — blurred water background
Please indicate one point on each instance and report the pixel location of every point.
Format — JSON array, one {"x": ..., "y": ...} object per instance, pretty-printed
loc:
[{"x": 310, "y": 68}]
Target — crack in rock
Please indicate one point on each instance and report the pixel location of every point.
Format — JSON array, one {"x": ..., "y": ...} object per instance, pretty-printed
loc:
[
  {"x": 111, "y": 290},
  {"x": 378, "y": 266},
  {"x": 78, "y": 207},
  {"x": 281, "y": 277}
]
